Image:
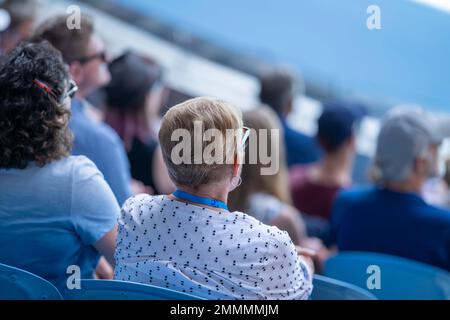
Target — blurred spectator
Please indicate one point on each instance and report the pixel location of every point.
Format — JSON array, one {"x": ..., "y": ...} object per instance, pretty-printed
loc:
[
  {"x": 133, "y": 102},
  {"x": 436, "y": 190},
  {"x": 314, "y": 186},
  {"x": 278, "y": 92},
  {"x": 85, "y": 54},
  {"x": 208, "y": 250},
  {"x": 267, "y": 197},
  {"x": 392, "y": 217},
  {"x": 22, "y": 14},
  {"x": 447, "y": 173},
  {"x": 56, "y": 210}
]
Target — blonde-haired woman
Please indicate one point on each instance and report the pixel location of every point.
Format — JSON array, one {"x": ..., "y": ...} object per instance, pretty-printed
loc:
[
  {"x": 267, "y": 197},
  {"x": 189, "y": 241}
]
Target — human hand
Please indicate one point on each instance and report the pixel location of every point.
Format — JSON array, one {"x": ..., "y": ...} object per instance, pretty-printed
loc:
[
  {"x": 322, "y": 253},
  {"x": 307, "y": 255},
  {"x": 104, "y": 270}
]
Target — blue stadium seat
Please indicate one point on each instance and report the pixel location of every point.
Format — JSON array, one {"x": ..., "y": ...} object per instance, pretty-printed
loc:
[
  {"x": 18, "y": 284},
  {"x": 160, "y": 271},
  {"x": 123, "y": 290},
  {"x": 400, "y": 278},
  {"x": 330, "y": 289}
]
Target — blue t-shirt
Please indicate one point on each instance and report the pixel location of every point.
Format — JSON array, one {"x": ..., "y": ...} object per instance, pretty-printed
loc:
[
  {"x": 100, "y": 143},
  {"x": 300, "y": 148},
  {"x": 51, "y": 216},
  {"x": 401, "y": 224}
]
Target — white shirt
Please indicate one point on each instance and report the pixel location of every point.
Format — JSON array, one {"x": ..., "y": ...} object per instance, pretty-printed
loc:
[{"x": 207, "y": 253}]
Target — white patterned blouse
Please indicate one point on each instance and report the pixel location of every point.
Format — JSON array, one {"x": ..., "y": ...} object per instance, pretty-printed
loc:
[{"x": 208, "y": 253}]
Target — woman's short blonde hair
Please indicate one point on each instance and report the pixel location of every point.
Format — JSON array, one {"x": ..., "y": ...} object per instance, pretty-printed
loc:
[{"x": 212, "y": 114}]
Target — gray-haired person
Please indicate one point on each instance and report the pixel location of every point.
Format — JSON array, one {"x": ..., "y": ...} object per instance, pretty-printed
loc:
[{"x": 391, "y": 217}]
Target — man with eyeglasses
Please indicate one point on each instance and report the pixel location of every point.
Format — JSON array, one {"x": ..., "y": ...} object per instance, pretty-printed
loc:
[{"x": 85, "y": 55}]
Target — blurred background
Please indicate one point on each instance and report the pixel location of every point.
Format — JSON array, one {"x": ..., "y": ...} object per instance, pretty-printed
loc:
[{"x": 219, "y": 48}]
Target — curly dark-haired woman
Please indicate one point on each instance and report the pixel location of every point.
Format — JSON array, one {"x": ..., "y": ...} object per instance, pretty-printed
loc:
[{"x": 56, "y": 210}]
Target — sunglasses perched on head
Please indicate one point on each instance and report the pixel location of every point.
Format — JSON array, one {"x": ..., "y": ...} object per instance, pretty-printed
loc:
[
  {"x": 70, "y": 93},
  {"x": 73, "y": 88}
]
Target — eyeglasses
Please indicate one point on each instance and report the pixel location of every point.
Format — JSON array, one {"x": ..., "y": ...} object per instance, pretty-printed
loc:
[
  {"x": 73, "y": 88},
  {"x": 245, "y": 136},
  {"x": 100, "y": 55}
]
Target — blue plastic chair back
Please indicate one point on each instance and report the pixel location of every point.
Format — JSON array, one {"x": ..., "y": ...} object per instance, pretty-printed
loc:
[
  {"x": 330, "y": 289},
  {"x": 18, "y": 284},
  {"x": 400, "y": 279},
  {"x": 123, "y": 290},
  {"x": 180, "y": 282}
]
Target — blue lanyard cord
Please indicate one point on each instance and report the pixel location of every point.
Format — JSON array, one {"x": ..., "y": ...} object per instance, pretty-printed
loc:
[{"x": 200, "y": 200}]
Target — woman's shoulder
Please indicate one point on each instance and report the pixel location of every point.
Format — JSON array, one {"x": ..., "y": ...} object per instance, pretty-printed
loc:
[
  {"x": 78, "y": 166},
  {"x": 137, "y": 208},
  {"x": 67, "y": 168},
  {"x": 82, "y": 175},
  {"x": 263, "y": 230},
  {"x": 72, "y": 161},
  {"x": 143, "y": 199},
  {"x": 268, "y": 238}
]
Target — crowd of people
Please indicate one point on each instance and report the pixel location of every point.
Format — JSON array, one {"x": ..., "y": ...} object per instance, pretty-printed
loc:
[{"x": 95, "y": 184}]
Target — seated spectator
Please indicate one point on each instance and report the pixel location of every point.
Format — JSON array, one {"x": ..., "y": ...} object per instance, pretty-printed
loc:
[
  {"x": 84, "y": 52},
  {"x": 278, "y": 92},
  {"x": 436, "y": 190},
  {"x": 22, "y": 14},
  {"x": 267, "y": 197},
  {"x": 314, "y": 186},
  {"x": 56, "y": 210},
  {"x": 445, "y": 187},
  {"x": 391, "y": 217},
  {"x": 189, "y": 241},
  {"x": 132, "y": 107}
]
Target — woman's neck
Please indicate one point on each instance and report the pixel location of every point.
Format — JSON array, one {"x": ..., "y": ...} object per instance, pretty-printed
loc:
[
  {"x": 211, "y": 191},
  {"x": 216, "y": 192}
]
